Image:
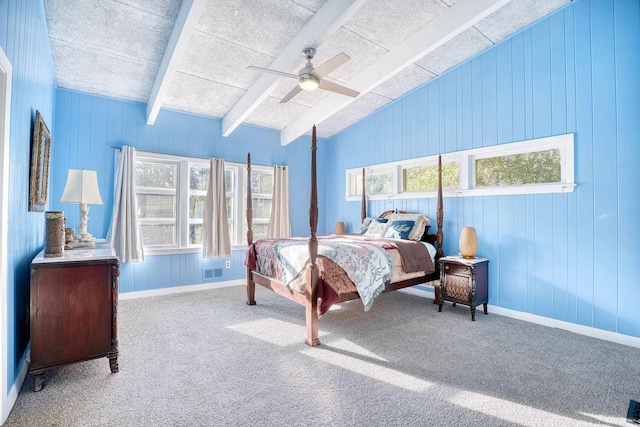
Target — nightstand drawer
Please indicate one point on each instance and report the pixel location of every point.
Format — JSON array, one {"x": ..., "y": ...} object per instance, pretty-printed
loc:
[{"x": 457, "y": 269}]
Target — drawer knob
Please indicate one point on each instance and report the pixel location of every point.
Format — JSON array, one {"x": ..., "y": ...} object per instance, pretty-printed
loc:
[{"x": 446, "y": 267}]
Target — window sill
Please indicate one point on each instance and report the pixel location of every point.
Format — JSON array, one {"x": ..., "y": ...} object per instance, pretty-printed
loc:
[
  {"x": 184, "y": 251},
  {"x": 496, "y": 191}
]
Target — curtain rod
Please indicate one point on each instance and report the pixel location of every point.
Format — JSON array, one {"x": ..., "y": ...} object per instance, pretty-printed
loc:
[{"x": 177, "y": 155}]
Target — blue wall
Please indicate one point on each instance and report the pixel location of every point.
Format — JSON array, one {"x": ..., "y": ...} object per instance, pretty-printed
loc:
[
  {"x": 87, "y": 126},
  {"x": 25, "y": 41},
  {"x": 567, "y": 257}
]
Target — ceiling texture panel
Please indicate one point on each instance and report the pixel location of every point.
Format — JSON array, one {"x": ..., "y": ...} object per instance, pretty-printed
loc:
[{"x": 115, "y": 48}]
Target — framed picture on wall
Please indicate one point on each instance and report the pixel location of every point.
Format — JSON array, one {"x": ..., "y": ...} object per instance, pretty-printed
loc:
[{"x": 40, "y": 157}]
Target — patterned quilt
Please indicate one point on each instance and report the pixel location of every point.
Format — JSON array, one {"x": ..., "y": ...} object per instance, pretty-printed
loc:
[{"x": 367, "y": 265}]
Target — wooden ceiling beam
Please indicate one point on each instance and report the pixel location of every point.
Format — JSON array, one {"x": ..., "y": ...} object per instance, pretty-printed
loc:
[
  {"x": 186, "y": 21},
  {"x": 326, "y": 20},
  {"x": 437, "y": 32}
]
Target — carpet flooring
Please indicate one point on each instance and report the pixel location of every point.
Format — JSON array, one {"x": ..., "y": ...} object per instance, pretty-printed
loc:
[{"x": 205, "y": 358}]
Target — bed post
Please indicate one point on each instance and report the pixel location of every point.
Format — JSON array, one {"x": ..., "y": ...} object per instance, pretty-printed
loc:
[
  {"x": 312, "y": 269},
  {"x": 251, "y": 286},
  {"x": 439, "y": 216},
  {"x": 440, "y": 212},
  {"x": 363, "y": 207}
]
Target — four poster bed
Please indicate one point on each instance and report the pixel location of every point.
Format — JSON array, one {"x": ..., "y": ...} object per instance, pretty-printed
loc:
[{"x": 317, "y": 272}]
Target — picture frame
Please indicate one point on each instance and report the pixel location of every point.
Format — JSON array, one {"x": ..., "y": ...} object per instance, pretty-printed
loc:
[{"x": 40, "y": 159}]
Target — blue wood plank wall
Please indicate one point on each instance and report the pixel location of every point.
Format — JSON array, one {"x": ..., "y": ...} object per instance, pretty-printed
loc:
[
  {"x": 567, "y": 257},
  {"x": 24, "y": 39},
  {"x": 87, "y": 126}
]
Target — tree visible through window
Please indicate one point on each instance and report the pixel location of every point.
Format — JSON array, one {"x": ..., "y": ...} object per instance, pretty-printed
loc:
[
  {"x": 425, "y": 178},
  {"x": 376, "y": 182},
  {"x": 535, "y": 166},
  {"x": 539, "y": 167}
]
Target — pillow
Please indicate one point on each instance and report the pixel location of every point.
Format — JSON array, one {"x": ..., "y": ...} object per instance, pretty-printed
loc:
[
  {"x": 399, "y": 229},
  {"x": 365, "y": 225},
  {"x": 420, "y": 221},
  {"x": 377, "y": 228},
  {"x": 367, "y": 222}
]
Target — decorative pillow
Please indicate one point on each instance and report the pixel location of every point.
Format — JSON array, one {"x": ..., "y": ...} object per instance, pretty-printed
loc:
[
  {"x": 365, "y": 225},
  {"x": 399, "y": 229},
  {"x": 368, "y": 221},
  {"x": 377, "y": 228},
  {"x": 420, "y": 221}
]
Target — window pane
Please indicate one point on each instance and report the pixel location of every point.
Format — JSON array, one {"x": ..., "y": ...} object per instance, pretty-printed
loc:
[
  {"x": 196, "y": 206},
  {"x": 261, "y": 182},
  {"x": 195, "y": 234},
  {"x": 377, "y": 183},
  {"x": 261, "y": 208},
  {"x": 199, "y": 178},
  {"x": 259, "y": 231},
  {"x": 519, "y": 169},
  {"x": 425, "y": 178},
  {"x": 261, "y": 190},
  {"x": 158, "y": 234},
  {"x": 156, "y": 206},
  {"x": 155, "y": 175},
  {"x": 229, "y": 177}
]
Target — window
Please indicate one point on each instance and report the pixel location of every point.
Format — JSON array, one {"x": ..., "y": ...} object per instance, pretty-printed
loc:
[
  {"x": 157, "y": 184},
  {"x": 425, "y": 178},
  {"x": 171, "y": 197},
  {"x": 542, "y": 165},
  {"x": 198, "y": 184},
  {"x": 261, "y": 194},
  {"x": 377, "y": 183},
  {"x": 539, "y": 167}
]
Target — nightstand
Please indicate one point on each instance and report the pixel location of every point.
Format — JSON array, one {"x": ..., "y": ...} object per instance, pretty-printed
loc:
[{"x": 464, "y": 281}]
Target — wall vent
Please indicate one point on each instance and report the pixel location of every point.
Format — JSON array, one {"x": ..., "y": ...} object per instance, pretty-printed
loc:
[{"x": 211, "y": 274}]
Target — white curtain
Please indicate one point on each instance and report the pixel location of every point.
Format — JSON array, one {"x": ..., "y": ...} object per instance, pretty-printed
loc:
[
  {"x": 124, "y": 231},
  {"x": 215, "y": 233},
  {"x": 279, "y": 223}
]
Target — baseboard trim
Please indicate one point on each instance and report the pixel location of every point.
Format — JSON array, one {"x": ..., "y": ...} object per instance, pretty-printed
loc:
[
  {"x": 12, "y": 396},
  {"x": 179, "y": 289},
  {"x": 588, "y": 331}
]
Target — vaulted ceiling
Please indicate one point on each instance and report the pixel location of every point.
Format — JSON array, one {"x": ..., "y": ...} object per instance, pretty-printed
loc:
[{"x": 192, "y": 55}]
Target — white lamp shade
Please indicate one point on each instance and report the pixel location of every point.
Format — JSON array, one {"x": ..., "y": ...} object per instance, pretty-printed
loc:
[{"x": 82, "y": 187}]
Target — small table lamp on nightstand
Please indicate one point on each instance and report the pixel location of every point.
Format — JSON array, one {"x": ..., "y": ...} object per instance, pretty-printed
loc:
[
  {"x": 82, "y": 188},
  {"x": 340, "y": 228}
]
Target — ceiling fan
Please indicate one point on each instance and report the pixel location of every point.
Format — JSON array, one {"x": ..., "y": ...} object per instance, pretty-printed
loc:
[{"x": 310, "y": 78}]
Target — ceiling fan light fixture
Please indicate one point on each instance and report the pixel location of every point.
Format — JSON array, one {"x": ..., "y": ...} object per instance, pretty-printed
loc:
[{"x": 308, "y": 82}]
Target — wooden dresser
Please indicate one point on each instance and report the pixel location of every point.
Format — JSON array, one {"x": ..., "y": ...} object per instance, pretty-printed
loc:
[{"x": 73, "y": 317}]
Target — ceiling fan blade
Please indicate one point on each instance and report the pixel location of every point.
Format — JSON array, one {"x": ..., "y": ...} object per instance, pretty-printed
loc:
[
  {"x": 333, "y": 87},
  {"x": 322, "y": 70},
  {"x": 296, "y": 90},
  {"x": 280, "y": 73}
]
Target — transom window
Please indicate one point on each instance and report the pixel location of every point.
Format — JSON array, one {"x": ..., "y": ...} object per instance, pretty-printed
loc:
[
  {"x": 543, "y": 165},
  {"x": 171, "y": 192}
]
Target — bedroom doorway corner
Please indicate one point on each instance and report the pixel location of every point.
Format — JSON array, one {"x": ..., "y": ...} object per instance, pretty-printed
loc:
[{"x": 5, "y": 121}]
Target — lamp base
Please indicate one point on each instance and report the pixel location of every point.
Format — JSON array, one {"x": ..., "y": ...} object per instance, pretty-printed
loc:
[
  {"x": 78, "y": 245},
  {"x": 85, "y": 237},
  {"x": 83, "y": 240}
]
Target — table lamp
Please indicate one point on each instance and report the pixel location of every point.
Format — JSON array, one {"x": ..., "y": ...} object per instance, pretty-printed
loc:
[{"x": 82, "y": 188}]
